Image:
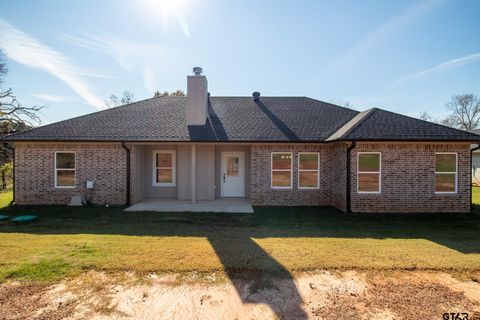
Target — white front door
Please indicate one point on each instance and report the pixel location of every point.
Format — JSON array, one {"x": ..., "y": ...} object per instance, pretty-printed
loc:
[{"x": 233, "y": 179}]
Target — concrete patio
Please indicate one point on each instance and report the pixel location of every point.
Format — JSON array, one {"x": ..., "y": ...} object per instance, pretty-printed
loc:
[{"x": 229, "y": 205}]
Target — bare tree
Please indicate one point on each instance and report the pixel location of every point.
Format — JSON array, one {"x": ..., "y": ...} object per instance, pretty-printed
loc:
[
  {"x": 465, "y": 111},
  {"x": 424, "y": 115},
  {"x": 116, "y": 101},
  {"x": 176, "y": 93},
  {"x": 14, "y": 117}
]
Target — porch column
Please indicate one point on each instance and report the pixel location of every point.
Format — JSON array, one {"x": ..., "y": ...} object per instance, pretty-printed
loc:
[{"x": 194, "y": 174}]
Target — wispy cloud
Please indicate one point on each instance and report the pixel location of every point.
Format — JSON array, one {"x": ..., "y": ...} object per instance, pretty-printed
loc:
[
  {"x": 50, "y": 97},
  {"x": 381, "y": 33},
  {"x": 448, "y": 65},
  {"x": 26, "y": 50},
  {"x": 133, "y": 56},
  {"x": 149, "y": 79}
]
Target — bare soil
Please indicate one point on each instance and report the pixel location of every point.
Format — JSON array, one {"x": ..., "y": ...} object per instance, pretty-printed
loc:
[{"x": 314, "y": 295}]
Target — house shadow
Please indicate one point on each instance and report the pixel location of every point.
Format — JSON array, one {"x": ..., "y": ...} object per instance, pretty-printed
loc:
[{"x": 256, "y": 275}]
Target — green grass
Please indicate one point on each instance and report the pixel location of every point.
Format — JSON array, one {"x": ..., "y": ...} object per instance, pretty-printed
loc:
[{"x": 69, "y": 240}]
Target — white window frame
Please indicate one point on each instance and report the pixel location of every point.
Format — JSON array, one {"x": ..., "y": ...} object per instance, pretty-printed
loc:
[
  {"x": 379, "y": 173},
  {"x": 291, "y": 170},
  {"x": 69, "y": 169},
  {"x": 308, "y": 170},
  {"x": 456, "y": 173},
  {"x": 154, "y": 168}
]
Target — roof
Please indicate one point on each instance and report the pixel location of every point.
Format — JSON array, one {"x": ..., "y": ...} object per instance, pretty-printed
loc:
[{"x": 272, "y": 119}]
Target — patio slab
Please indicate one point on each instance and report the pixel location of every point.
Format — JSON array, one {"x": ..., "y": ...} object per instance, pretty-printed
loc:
[{"x": 228, "y": 205}]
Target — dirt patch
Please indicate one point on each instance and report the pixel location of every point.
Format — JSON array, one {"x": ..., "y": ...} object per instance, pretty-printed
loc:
[
  {"x": 319, "y": 295},
  {"x": 30, "y": 301}
]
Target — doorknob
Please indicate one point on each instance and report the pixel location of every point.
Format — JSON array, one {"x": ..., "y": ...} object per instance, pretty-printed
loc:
[{"x": 224, "y": 177}]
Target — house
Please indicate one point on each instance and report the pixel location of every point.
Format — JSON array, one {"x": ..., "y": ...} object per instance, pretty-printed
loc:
[
  {"x": 288, "y": 151},
  {"x": 476, "y": 161}
]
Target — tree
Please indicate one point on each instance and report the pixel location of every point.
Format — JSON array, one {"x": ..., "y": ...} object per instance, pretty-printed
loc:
[
  {"x": 14, "y": 117},
  {"x": 116, "y": 101},
  {"x": 176, "y": 93},
  {"x": 465, "y": 111},
  {"x": 426, "y": 116}
]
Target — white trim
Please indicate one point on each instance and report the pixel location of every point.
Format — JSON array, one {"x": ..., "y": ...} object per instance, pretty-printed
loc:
[
  {"x": 308, "y": 170},
  {"x": 241, "y": 156},
  {"x": 456, "y": 173},
  {"x": 67, "y": 169},
  {"x": 291, "y": 170},
  {"x": 379, "y": 172},
  {"x": 173, "y": 168}
]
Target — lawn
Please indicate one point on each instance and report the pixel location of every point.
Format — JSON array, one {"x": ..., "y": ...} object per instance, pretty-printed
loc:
[{"x": 69, "y": 240}]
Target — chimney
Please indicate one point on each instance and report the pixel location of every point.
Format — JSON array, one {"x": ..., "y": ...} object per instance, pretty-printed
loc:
[
  {"x": 256, "y": 96},
  {"x": 197, "y": 97}
]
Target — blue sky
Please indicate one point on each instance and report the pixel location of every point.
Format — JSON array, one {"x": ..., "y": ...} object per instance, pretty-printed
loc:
[{"x": 404, "y": 56}]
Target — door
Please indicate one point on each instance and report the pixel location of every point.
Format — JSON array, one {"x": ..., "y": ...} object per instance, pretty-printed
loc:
[{"x": 233, "y": 180}]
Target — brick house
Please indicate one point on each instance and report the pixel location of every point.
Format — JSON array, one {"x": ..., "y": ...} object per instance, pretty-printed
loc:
[{"x": 288, "y": 151}]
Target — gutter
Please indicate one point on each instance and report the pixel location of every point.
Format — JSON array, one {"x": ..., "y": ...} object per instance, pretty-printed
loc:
[
  {"x": 124, "y": 146},
  {"x": 13, "y": 173},
  {"x": 349, "y": 170},
  {"x": 471, "y": 175}
]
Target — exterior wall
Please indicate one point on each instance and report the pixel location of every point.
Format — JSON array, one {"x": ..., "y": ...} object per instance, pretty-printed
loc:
[
  {"x": 143, "y": 182},
  {"x": 408, "y": 179},
  {"x": 476, "y": 168},
  {"x": 218, "y": 166},
  {"x": 339, "y": 176},
  {"x": 105, "y": 163},
  {"x": 261, "y": 192}
]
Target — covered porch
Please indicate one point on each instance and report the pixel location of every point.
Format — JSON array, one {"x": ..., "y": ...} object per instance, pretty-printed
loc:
[
  {"x": 227, "y": 205},
  {"x": 193, "y": 177}
]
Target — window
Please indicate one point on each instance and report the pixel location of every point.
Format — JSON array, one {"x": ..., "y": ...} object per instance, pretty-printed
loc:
[
  {"x": 369, "y": 172},
  {"x": 308, "y": 170},
  {"x": 64, "y": 169},
  {"x": 164, "y": 168},
  {"x": 282, "y": 170},
  {"x": 445, "y": 172}
]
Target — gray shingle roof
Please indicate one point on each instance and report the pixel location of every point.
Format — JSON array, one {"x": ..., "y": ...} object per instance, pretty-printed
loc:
[
  {"x": 385, "y": 125},
  {"x": 280, "y": 119}
]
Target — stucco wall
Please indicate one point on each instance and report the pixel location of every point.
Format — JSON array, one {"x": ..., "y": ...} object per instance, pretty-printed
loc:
[
  {"x": 105, "y": 163},
  {"x": 408, "y": 179}
]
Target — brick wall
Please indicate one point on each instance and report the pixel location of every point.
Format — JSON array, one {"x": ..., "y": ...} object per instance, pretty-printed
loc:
[
  {"x": 262, "y": 194},
  {"x": 339, "y": 176},
  {"x": 105, "y": 163},
  {"x": 408, "y": 179}
]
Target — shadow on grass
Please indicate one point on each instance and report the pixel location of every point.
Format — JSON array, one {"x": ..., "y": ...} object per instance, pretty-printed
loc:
[{"x": 231, "y": 235}]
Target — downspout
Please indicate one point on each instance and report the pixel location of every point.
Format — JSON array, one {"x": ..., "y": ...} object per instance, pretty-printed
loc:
[
  {"x": 124, "y": 146},
  {"x": 471, "y": 174},
  {"x": 349, "y": 170},
  {"x": 13, "y": 173}
]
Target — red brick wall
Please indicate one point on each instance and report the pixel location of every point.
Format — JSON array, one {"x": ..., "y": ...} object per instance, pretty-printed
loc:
[
  {"x": 262, "y": 194},
  {"x": 408, "y": 179},
  {"x": 103, "y": 163}
]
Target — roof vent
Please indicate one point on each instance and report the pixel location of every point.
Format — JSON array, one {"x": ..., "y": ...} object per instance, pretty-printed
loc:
[
  {"x": 256, "y": 96},
  {"x": 197, "y": 71}
]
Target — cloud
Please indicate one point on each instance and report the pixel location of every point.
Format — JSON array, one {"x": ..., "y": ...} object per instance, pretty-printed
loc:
[
  {"x": 381, "y": 33},
  {"x": 149, "y": 79},
  {"x": 448, "y": 65},
  {"x": 133, "y": 56},
  {"x": 26, "y": 50},
  {"x": 50, "y": 97}
]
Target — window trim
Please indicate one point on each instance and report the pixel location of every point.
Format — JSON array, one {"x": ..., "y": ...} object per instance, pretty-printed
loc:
[
  {"x": 435, "y": 173},
  {"x": 291, "y": 170},
  {"x": 308, "y": 170},
  {"x": 379, "y": 172},
  {"x": 69, "y": 169},
  {"x": 154, "y": 168}
]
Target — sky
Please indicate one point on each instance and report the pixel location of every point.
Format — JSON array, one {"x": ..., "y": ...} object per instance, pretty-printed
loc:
[{"x": 404, "y": 56}]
